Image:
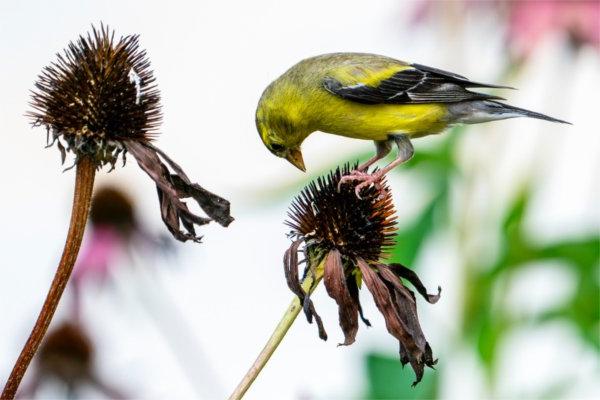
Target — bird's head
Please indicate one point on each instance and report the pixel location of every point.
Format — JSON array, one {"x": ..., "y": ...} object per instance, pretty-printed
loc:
[{"x": 280, "y": 127}]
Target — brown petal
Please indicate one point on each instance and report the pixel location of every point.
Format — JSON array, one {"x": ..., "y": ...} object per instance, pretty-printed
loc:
[
  {"x": 386, "y": 303},
  {"x": 290, "y": 268},
  {"x": 353, "y": 289},
  {"x": 410, "y": 275},
  {"x": 407, "y": 311},
  {"x": 335, "y": 283},
  {"x": 172, "y": 188},
  {"x": 214, "y": 206}
]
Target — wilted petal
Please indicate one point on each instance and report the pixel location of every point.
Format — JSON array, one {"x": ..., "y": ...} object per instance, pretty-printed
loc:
[
  {"x": 387, "y": 303},
  {"x": 290, "y": 267},
  {"x": 172, "y": 188},
  {"x": 384, "y": 303},
  {"x": 407, "y": 311},
  {"x": 335, "y": 283},
  {"x": 353, "y": 289},
  {"x": 214, "y": 206},
  {"x": 410, "y": 275}
]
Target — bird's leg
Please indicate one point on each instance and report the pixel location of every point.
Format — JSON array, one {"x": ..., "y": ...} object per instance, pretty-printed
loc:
[
  {"x": 383, "y": 147},
  {"x": 405, "y": 153}
]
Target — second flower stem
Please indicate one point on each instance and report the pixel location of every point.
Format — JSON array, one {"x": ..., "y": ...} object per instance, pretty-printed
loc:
[
  {"x": 84, "y": 183},
  {"x": 309, "y": 284}
]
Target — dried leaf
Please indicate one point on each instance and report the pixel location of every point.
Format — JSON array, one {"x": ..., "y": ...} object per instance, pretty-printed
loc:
[{"x": 335, "y": 283}]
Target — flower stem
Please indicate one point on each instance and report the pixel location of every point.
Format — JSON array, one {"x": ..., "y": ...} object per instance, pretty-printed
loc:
[
  {"x": 84, "y": 182},
  {"x": 309, "y": 284}
]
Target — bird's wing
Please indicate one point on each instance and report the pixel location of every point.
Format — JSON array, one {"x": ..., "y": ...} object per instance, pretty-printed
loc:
[{"x": 402, "y": 84}]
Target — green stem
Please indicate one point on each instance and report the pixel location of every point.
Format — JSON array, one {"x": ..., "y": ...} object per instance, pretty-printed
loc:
[
  {"x": 309, "y": 284},
  {"x": 84, "y": 183}
]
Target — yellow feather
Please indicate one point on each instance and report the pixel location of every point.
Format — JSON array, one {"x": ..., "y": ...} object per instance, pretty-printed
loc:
[{"x": 370, "y": 75}]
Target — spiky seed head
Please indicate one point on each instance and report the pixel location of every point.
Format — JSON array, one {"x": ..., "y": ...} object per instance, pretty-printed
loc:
[
  {"x": 328, "y": 219},
  {"x": 97, "y": 93}
]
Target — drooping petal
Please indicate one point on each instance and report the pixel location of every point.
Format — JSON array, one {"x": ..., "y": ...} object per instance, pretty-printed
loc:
[
  {"x": 386, "y": 303},
  {"x": 410, "y": 275},
  {"x": 353, "y": 289},
  {"x": 290, "y": 267},
  {"x": 172, "y": 188},
  {"x": 214, "y": 206},
  {"x": 335, "y": 283},
  {"x": 405, "y": 304}
]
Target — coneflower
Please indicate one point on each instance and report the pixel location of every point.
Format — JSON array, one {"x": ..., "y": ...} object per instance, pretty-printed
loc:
[
  {"x": 99, "y": 101},
  {"x": 67, "y": 355},
  {"x": 343, "y": 239}
]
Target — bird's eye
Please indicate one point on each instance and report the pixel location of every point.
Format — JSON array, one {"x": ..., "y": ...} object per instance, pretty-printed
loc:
[{"x": 277, "y": 148}]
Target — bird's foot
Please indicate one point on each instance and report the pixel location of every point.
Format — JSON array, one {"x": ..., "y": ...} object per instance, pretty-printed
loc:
[{"x": 365, "y": 180}]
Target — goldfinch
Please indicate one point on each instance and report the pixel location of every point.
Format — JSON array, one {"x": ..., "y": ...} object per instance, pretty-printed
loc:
[{"x": 371, "y": 97}]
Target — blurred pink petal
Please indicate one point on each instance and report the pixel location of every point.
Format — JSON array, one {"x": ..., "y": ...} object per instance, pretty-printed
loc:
[
  {"x": 531, "y": 21},
  {"x": 101, "y": 248}
]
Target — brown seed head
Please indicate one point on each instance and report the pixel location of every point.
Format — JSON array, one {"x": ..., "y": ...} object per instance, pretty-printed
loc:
[
  {"x": 97, "y": 93},
  {"x": 329, "y": 219}
]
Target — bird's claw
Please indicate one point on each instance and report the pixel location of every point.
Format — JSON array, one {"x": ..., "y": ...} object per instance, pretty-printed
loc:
[{"x": 365, "y": 180}]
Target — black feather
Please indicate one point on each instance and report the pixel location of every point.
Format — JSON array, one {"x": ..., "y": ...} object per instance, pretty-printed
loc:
[{"x": 413, "y": 86}]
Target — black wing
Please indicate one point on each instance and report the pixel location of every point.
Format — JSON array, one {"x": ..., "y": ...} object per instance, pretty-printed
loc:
[{"x": 420, "y": 84}]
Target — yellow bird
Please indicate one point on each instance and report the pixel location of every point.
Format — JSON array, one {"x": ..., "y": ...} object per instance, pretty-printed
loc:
[{"x": 371, "y": 97}]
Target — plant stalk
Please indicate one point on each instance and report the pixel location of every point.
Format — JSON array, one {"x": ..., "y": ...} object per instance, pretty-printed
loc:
[
  {"x": 309, "y": 284},
  {"x": 84, "y": 183}
]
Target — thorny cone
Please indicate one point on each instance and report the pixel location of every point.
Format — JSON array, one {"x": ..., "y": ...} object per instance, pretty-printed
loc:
[
  {"x": 352, "y": 235},
  {"x": 99, "y": 99}
]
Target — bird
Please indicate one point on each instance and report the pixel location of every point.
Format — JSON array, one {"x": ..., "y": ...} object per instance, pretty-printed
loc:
[{"x": 372, "y": 97}]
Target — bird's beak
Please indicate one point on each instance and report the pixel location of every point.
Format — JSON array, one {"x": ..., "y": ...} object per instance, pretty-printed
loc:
[{"x": 294, "y": 156}]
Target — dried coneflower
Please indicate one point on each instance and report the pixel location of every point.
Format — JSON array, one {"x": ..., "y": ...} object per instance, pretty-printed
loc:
[
  {"x": 343, "y": 239},
  {"x": 67, "y": 354},
  {"x": 99, "y": 101}
]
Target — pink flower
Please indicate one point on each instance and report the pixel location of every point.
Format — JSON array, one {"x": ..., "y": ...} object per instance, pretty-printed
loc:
[
  {"x": 531, "y": 21},
  {"x": 102, "y": 246}
]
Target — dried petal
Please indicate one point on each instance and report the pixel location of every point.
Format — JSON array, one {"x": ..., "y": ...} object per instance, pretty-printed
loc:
[
  {"x": 387, "y": 304},
  {"x": 353, "y": 289},
  {"x": 407, "y": 311},
  {"x": 410, "y": 275},
  {"x": 335, "y": 283},
  {"x": 171, "y": 189},
  {"x": 290, "y": 267},
  {"x": 214, "y": 206}
]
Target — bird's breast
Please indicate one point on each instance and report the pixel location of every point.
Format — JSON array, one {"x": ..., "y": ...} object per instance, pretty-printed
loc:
[{"x": 378, "y": 121}]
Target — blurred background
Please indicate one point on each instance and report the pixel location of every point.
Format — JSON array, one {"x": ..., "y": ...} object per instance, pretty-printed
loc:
[{"x": 504, "y": 216}]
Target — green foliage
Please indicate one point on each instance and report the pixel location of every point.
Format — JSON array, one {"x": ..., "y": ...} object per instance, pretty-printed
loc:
[
  {"x": 387, "y": 379},
  {"x": 487, "y": 323}
]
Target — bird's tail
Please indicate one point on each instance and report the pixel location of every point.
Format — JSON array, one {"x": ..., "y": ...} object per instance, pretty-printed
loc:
[
  {"x": 521, "y": 112},
  {"x": 489, "y": 110}
]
